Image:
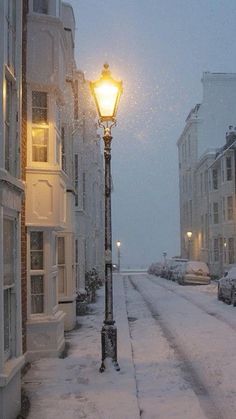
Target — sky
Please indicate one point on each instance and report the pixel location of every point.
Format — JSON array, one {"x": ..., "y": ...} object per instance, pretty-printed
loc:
[{"x": 159, "y": 48}]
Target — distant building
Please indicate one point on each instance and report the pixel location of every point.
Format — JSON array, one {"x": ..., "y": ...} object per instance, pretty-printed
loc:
[
  {"x": 221, "y": 199},
  {"x": 198, "y": 144}
]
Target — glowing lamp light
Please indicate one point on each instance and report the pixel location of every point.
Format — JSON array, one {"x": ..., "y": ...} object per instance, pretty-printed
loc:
[
  {"x": 189, "y": 234},
  {"x": 118, "y": 243},
  {"x": 106, "y": 92}
]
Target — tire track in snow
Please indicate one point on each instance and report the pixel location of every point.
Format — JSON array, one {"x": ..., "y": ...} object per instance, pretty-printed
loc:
[
  {"x": 198, "y": 305},
  {"x": 209, "y": 406}
]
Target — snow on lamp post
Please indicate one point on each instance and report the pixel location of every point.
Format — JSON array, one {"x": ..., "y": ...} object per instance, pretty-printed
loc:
[
  {"x": 118, "y": 243},
  {"x": 106, "y": 92}
]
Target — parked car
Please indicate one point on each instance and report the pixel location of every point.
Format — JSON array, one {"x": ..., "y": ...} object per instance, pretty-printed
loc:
[
  {"x": 227, "y": 287},
  {"x": 173, "y": 267},
  {"x": 165, "y": 273},
  {"x": 155, "y": 269},
  {"x": 193, "y": 272}
]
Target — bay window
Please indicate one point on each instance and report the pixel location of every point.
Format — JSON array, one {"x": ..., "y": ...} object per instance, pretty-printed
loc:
[{"x": 40, "y": 127}]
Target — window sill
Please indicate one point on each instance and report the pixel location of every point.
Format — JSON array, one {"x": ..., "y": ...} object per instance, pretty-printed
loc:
[
  {"x": 11, "y": 367},
  {"x": 11, "y": 180}
]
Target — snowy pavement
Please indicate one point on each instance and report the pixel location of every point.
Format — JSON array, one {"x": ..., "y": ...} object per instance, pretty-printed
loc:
[
  {"x": 176, "y": 350},
  {"x": 73, "y": 387}
]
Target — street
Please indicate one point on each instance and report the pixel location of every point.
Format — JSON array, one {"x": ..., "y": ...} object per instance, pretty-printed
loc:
[
  {"x": 176, "y": 350},
  {"x": 183, "y": 343}
]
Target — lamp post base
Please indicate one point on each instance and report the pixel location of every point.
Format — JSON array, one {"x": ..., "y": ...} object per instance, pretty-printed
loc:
[{"x": 109, "y": 346}]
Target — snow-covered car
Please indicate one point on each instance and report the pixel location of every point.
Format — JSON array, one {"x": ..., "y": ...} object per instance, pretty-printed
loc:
[
  {"x": 155, "y": 269},
  {"x": 174, "y": 268},
  {"x": 227, "y": 287},
  {"x": 194, "y": 272}
]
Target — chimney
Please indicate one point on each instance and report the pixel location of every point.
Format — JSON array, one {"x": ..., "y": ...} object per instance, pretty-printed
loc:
[{"x": 230, "y": 135}]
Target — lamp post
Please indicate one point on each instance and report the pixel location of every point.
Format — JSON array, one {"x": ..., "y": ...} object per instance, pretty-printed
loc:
[
  {"x": 118, "y": 243},
  {"x": 106, "y": 92},
  {"x": 164, "y": 256},
  {"x": 189, "y": 235}
]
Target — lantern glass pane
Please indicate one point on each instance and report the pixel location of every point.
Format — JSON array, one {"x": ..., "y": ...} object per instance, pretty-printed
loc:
[{"x": 106, "y": 95}]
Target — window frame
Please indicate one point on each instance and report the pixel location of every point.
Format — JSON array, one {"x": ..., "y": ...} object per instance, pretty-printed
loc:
[
  {"x": 215, "y": 213},
  {"x": 34, "y": 6},
  {"x": 35, "y": 273},
  {"x": 230, "y": 208},
  {"x": 10, "y": 124},
  {"x": 10, "y": 289},
  {"x": 229, "y": 172},
  {"x": 215, "y": 179},
  {"x": 62, "y": 266},
  {"x": 40, "y": 125},
  {"x": 231, "y": 245},
  {"x": 216, "y": 249}
]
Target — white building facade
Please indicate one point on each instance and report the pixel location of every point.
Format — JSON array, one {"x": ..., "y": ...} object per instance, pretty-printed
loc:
[
  {"x": 202, "y": 206},
  {"x": 11, "y": 194},
  {"x": 50, "y": 192}
]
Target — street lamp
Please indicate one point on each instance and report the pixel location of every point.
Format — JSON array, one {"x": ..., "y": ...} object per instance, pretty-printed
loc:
[
  {"x": 118, "y": 243},
  {"x": 106, "y": 92},
  {"x": 164, "y": 256},
  {"x": 189, "y": 235}
]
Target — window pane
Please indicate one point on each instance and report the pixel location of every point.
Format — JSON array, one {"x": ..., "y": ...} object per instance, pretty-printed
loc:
[
  {"x": 39, "y": 99},
  {"x": 40, "y": 6},
  {"x": 61, "y": 280},
  {"x": 36, "y": 240},
  {"x": 61, "y": 250},
  {"x": 231, "y": 250},
  {"x": 39, "y": 144},
  {"x": 37, "y": 294},
  {"x": 8, "y": 251},
  {"x": 36, "y": 250},
  {"x": 39, "y": 107},
  {"x": 36, "y": 260}
]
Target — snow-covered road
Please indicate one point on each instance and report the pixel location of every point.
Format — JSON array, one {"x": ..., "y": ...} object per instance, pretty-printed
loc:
[
  {"x": 184, "y": 349},
  {"x": 176, "y": 350}
]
